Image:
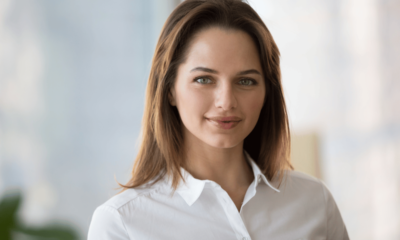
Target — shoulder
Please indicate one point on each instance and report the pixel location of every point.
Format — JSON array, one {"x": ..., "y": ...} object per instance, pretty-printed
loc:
[
  {"x": 301, "y": 187},
  {"x": 309, "y": 184},
  {"x": 301, "y": 181},
  {"x": 311, "y": 193},
  {"x": 131, "y": 195},
  {"x": 130, "y": 199},
  {"x": 109, "y": 219},
  {"x": 302, "y": 177}
]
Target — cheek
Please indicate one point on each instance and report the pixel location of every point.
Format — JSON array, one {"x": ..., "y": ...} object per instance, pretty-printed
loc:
[
  {"x": 257, "y": 104},
  {"x": 253, "y": 106},
  {"x": 192, "y": 105}
]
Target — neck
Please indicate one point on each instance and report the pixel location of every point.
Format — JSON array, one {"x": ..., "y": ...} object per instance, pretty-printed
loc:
[{"x": 226, "y": 166}]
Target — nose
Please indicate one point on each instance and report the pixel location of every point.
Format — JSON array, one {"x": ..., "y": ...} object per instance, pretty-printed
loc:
[{"x": 225, "y": 97}]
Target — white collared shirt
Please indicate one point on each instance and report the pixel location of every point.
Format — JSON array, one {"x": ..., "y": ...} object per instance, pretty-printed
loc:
[{"x": 302, "y": 208}]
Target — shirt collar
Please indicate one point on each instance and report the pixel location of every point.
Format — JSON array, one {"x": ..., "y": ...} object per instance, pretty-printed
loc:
[
  {"x": 257, "y": 173},
  {"x": 191, "y": 190}
]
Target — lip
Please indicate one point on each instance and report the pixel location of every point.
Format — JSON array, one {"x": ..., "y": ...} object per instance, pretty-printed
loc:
[
  {"x": 225, "y": 119},
  {"x": 225, "y": 122}
]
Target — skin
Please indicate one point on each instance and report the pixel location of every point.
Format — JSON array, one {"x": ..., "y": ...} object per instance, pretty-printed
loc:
[{"x": 213, "y": 153}]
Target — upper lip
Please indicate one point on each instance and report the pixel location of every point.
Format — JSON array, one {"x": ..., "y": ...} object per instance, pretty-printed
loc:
[{"x": 225, "y": 119}]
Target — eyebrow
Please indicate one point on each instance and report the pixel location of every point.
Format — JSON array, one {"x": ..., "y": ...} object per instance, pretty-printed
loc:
[{"x": 209, "y": 70}]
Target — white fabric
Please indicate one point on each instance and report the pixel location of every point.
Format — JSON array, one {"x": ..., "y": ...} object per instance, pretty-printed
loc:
[{"x": 302, "y": 208}]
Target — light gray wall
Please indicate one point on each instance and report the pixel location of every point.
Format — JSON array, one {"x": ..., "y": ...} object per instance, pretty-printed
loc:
[
  {"x": 341, "y": 75},
  {"x": 73, "y": 77}
]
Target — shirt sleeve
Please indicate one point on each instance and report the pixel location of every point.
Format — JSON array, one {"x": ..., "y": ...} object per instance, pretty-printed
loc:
[
  {"x": 335, "y": 226},
  {"x": 106, "y": 225}
]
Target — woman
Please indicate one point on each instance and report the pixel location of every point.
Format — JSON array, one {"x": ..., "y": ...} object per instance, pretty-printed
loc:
[{"x": 214, "y": 156}]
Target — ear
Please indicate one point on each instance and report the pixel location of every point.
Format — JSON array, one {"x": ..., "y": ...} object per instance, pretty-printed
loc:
[{"x": 171, "y": 96}]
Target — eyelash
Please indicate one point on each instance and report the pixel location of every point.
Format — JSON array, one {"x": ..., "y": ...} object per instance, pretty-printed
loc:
[{"x": 254, "y": 82}]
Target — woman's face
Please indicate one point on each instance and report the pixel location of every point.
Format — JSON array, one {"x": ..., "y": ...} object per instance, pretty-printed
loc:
[{"x": 219, "y": 90}]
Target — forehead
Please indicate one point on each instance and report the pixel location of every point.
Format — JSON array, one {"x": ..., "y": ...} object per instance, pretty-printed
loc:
[{"x": 223, "y": 49}]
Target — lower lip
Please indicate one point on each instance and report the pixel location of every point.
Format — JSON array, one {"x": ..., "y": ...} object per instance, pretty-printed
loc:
[{"x": 224, "y": 125}]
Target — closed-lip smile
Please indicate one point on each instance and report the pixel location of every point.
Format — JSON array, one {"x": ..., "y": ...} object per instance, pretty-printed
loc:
[
  {"x": 224, "y": 122},
  {"x": 225, "y": 119}
]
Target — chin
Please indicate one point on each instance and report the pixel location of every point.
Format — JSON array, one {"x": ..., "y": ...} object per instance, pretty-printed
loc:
[{"x": 223, "y": 143}]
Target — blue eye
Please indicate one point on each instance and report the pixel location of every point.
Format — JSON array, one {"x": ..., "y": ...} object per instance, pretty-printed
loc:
[
  {"x": 247, "y": 82},
  {"x": 203, "y": 80}
]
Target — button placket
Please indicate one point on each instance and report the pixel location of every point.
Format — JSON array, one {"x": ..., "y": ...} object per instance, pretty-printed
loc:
[{"x": 232, "y": 214}]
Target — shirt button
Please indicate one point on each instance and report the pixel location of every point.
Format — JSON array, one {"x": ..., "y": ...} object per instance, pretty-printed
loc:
[
  {"x": 259, "y": 179},
  {"x": 245, "y": 238}
]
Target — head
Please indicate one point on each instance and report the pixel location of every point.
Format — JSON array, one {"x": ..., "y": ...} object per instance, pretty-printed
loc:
[
  {"x": 180, "y": 55},
  {"x": 219, "y": 89}
]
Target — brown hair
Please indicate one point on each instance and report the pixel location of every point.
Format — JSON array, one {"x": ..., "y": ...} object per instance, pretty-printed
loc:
[{"x": 161, "y": 136}]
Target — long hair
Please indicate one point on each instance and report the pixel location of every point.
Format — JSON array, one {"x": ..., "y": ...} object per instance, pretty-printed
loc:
[{"x": 160, "y": 150}]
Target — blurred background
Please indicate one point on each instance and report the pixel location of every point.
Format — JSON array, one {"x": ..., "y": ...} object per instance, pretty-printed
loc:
[{"x": 73, "y": 76}]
